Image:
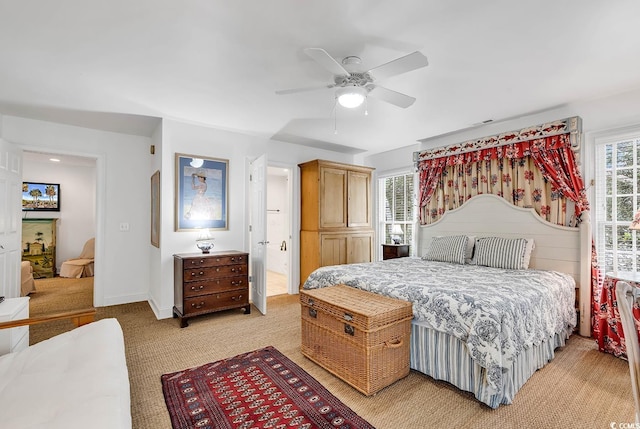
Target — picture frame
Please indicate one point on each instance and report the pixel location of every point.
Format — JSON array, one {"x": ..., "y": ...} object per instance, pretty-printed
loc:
[
  {"x": 155, "y": 209},
  {"x": 40, "y": 197},
  {"x": 202, "y": 193}
]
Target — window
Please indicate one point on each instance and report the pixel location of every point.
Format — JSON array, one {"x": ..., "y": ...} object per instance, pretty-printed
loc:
[
  {"x": 617, "y": 199},
  {"x": 397, "y": 207}
]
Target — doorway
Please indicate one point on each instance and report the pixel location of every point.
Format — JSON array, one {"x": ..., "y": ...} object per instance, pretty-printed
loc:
[
  {"x": 278, "y": 255},
  {"x": 76, "y": 223}
]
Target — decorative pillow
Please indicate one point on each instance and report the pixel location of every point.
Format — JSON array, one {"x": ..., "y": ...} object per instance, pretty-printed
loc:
[
  {"x": 448, "y": 249},
  {"x": 471, "y": 242},
  {"x": 527, "y": 253},
  {"x": 498, "y": 252}
]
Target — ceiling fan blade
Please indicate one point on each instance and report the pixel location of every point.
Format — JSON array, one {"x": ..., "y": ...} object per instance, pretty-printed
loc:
[
  {"x": 404, "y": 64},
  {"x": 396, "y": 98},
  {"x": 323, "y": 58},
  {"x": 305, "y": 89}
]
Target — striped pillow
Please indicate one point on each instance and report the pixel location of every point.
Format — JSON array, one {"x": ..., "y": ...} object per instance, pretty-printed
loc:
[
  {"x": 447, "y": 249},
  {"x": 498, "y": 252}
]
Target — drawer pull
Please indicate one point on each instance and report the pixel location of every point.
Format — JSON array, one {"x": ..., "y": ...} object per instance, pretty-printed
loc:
[
  {"x": 348, "y": 317},
  {"x": 202, "y": 261},
  {"x": 217, "y": 259},
  {"x": 233, "y": 259},
  {"x": 313, "y": 313},
  {"x": 236, "y": 298},
  {"x": 238, "y": 283},
  {"x": 233, "y": 270},
  {"x": 199, "y": 288},
  {"x": 218, "y": 269},
  {"x": 197, "y": 306}
]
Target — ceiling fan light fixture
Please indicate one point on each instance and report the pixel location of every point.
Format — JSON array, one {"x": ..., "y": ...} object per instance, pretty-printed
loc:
[{"x": 351, "y": 96}]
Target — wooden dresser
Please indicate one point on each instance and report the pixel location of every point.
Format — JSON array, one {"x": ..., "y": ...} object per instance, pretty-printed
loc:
[
  {"x": 206, "y": 283},
  {"x": 336, "y": 226}
]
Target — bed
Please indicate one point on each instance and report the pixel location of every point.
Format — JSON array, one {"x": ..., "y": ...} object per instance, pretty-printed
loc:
[
  {"x": 484, "y": 329},
  {"x": 77, "y": 379}
]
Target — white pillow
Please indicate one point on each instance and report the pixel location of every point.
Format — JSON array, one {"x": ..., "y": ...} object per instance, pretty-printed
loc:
[
  {"x": 471, "y": 242},
  {"x": 499, "y": 252},
  {"x": 527, "y": 253},
  {"x": 451, "y": 249}
]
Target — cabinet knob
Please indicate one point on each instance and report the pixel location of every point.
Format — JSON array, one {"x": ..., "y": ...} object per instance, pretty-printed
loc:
[
  {"x": 233, "y": 259},
  {"x": 218, "y": 269},
  {"x": 202, "y": 261},
  {"x": 217, "y": 259},
  {"x": 201, "y": 273}
]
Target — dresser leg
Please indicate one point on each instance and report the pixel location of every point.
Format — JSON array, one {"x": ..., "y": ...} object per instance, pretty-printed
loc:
[{"x": 247, "y": 309}]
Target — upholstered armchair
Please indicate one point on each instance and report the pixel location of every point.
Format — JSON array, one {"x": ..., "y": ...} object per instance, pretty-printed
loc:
[
  {"x": 27, "y": 284},
  {"x": 82, "y": 266}
]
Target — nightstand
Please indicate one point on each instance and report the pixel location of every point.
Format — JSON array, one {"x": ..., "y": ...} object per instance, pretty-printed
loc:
[{"x": 391, "y": 251}]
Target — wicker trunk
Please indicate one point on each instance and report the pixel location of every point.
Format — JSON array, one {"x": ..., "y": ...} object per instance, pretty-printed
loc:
[{"x": 361, "y": 337}]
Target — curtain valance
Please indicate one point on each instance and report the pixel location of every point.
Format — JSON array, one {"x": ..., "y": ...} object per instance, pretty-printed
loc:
[
  {"x": 572, "y": 126},
  {"x": 552, "y": 155}
]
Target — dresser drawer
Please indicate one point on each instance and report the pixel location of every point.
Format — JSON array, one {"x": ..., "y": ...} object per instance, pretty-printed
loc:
[
  {"x": 223, "y": 284},
  {"x": 202, "y": 273},
  {"x": 219, "y": 301},
  {"x": 215, "y": 261}
]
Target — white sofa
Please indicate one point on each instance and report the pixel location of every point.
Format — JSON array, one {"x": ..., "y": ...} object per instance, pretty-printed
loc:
[{"x": 78, "y": 379}]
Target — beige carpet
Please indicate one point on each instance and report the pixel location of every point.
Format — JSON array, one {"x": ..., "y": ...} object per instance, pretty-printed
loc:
[{"x": 580, "y": 388}]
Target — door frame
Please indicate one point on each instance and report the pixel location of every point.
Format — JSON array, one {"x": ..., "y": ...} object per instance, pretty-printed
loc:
[
  {"x": 100, "y": 195},
  {"x": 291, "y": 286}
]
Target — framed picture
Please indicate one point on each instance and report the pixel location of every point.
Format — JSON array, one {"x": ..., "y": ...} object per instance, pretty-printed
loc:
[
  {"x": 155, "y": 209},
  {"x": 42, "y": 197},
  {"x": 201, "y": 192}
]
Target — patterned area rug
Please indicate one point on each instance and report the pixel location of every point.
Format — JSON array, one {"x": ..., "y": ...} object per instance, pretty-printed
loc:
[{"x": 259, "y": 389}]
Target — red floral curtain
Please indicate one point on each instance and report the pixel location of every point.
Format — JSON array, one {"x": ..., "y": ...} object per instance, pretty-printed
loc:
[{"x": 552, "y": 155}]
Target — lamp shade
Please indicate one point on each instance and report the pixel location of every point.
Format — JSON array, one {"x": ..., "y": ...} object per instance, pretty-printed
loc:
[
  {"x": 635, "y": 223},
  {"x": 351, "y": 96},
  {"x": 396, "y": 230}
]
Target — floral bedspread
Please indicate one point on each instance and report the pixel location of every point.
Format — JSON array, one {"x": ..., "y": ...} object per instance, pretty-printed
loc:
[{"x": 496, "y": 312}]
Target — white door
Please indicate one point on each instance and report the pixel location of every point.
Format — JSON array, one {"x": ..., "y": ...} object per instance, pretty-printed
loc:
[
  {"x": 258, "y": 221},
  {"x": 10, "y": 224}
]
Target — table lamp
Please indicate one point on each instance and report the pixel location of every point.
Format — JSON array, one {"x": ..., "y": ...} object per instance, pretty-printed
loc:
[
  {"x": 204, "y": 241},
  {"x": 396, "y": 233}
]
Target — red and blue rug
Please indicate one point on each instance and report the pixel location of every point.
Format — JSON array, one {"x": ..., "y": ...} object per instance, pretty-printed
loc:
[{"x": 259, "y": 389}]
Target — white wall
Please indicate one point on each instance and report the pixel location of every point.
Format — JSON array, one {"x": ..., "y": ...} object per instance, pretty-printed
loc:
[
  {"x": 239, "y": 149},
  {"x": 122, "y": 190},
  {"x": 77, "y": 215},
  {"x": 128, "y": 267}
]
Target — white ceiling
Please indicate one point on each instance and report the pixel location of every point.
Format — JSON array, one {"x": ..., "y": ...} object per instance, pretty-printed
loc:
[{"x": 121, "y": 64}]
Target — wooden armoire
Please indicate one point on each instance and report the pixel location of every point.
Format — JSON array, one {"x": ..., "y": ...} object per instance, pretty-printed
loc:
[{"x": 336, "y": 226}]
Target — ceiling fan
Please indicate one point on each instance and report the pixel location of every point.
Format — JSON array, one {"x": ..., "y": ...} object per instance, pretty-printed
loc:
[{"x": 354, "y": 85}]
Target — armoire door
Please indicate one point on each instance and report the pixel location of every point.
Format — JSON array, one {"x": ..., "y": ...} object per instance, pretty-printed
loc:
[
  {"x": 333, "y": 198},
  {"x": 359, "y": 204}
]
